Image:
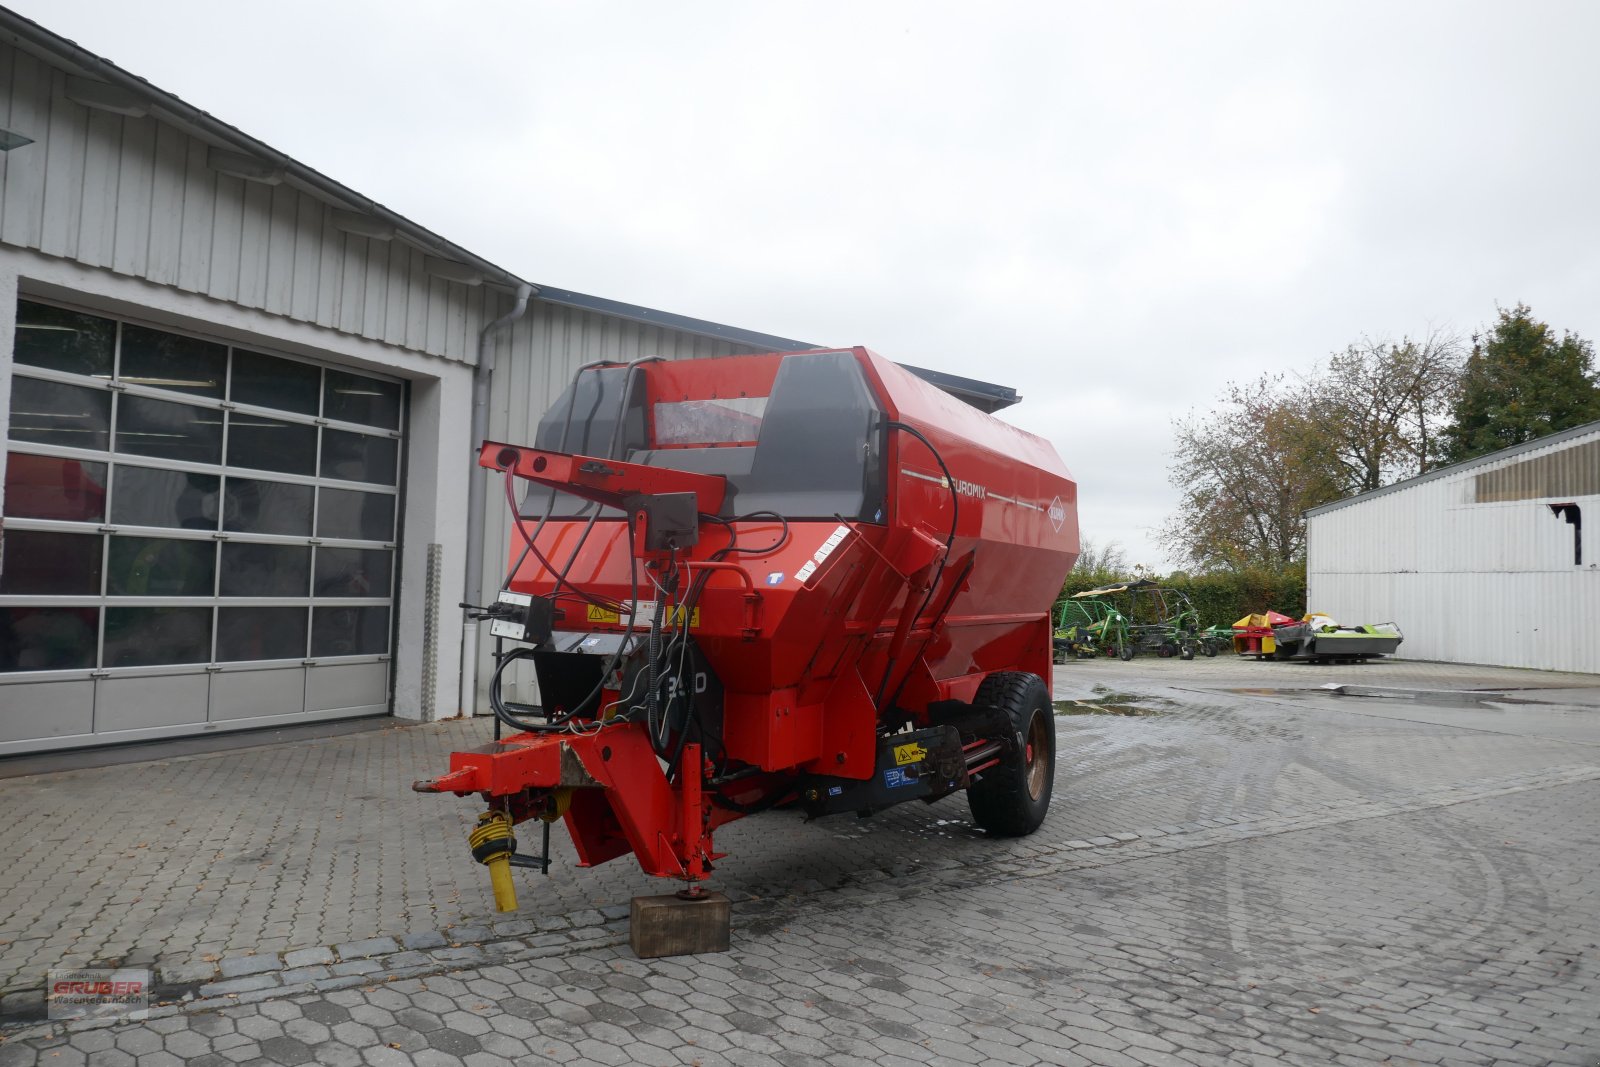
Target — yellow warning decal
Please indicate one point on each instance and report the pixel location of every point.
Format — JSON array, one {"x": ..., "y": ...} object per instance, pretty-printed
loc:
[
  {"x": 671, "y": 617},
  {"x": 674, "y": 617},
  {"x": 912, "y": 753}
]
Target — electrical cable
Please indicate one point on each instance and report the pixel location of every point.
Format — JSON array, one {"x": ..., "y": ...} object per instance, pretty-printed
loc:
[
  {"x": 566, "y": 430},
  {"x": 692, "y": 598},
  {"x": 612, "y": 448},
  {"x": 554, "y": 724},
  {"x": 949, "y": 541},
  {"x": 511, "y": 499}
]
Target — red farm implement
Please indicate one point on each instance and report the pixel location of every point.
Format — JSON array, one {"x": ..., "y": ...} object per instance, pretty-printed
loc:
[{"x": 808, "y": 580}]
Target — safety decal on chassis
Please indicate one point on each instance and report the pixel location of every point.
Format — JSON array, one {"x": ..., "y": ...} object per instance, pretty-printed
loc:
[{"x": 906, "y": 754}]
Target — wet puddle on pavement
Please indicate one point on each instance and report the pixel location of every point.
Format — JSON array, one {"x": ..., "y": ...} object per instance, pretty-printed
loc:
[
  {"x": 1106, "y": 702},
  {"x": 1480, "y": 699}
]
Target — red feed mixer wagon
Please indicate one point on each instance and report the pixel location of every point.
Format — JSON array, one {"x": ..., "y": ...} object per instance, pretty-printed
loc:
[{"x": 809, "y": 580}]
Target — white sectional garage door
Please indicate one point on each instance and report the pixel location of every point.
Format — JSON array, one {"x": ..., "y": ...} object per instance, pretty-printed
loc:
[{"x": 197, "y": 536}]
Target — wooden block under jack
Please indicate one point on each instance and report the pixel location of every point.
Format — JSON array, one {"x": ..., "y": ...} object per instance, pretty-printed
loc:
[{"x": 672, "y": 926}]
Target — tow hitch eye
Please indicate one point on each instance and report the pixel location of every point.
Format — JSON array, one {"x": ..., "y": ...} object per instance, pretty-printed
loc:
[{"x": 492, "y": 845}]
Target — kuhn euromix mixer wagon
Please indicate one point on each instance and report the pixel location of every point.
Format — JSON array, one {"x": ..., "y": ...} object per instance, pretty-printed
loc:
[{"x": 809, "y": 580}]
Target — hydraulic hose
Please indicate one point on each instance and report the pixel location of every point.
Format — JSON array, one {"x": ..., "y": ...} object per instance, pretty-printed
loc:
[{"x": 504, "y": 714}]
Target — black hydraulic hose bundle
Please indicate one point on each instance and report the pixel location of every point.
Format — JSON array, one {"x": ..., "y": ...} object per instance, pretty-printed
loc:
[
  {"x": 686, "y": 607},
  {"x": 567, "y": 429},
  {"x": 502, "y": 710},
  {"x": 564, "y": 720},
  {"x": 955, "y": 505},
  {"x": 949, "y": 542}
]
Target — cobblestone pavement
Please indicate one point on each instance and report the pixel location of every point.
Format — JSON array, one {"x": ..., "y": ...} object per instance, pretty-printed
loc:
[{"x": 1237, "y": 868}]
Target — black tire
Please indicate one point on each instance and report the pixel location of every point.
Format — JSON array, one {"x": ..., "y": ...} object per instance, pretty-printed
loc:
[
  {"x": 1011, "y": 799},
  {"x": 1125, "y": 653},
  {"x": 1186, "y": 652},
  {"x": 1209, "y": 649}
]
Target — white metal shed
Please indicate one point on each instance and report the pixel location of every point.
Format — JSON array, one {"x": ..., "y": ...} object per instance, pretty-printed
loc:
[{"x": 1491, "y": 561}]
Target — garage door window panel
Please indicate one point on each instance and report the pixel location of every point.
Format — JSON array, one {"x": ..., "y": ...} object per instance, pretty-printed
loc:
[
  {"x": 265, "y": 570},
  {"x": 355, "y": 398},
  {"x": 48, "y": 563},
  {"x": 157, "y": 636},
  {"x": 54, "y": 487},
  {"x": 352, "y": 515},
  {"x": 258, "y": 633},
  {"x": 55, "y": 413},
  {"x": 150, "y": 427},
  {"x": 63, "y": 340},
  {"x": 353, "y": 572},
  {"x": 160, "y": 360},
  {"x": 150, "y": 496},
  {"x": 270, "y": 445},
  {"x": 349, "y": 631},
  {"x": 160, "y": 566},
  {"x": 48, "y": 638},
  {"x": 360, "y": 457},
  {"x": 270, "y": 382},
  {"x": 265, "y": 507}
]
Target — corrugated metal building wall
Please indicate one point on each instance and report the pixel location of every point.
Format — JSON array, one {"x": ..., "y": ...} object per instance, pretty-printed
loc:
[{"x": 1478, "y": 563}]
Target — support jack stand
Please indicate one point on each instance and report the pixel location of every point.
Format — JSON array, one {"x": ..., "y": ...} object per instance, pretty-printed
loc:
[{"x": 686, "y": 923}]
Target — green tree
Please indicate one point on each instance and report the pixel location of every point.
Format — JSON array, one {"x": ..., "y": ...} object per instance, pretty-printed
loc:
[{"x": 1521, "y": 383}]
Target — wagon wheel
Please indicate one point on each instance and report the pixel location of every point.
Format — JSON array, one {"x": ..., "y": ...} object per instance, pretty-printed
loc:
[{"x": 1011, "y": 799}]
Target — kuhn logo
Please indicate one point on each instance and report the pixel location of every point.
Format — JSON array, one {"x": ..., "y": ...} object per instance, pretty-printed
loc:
[{"x": 1058, "y": 514}]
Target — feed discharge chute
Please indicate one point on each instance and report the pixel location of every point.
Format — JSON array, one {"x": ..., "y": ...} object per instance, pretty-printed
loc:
[{"x": 809, "y": 580}]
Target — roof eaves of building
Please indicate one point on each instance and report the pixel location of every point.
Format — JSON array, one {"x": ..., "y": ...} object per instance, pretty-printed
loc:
[
  {"x": 1456, "y": 468},
  {"x": 764, "y": 342}
]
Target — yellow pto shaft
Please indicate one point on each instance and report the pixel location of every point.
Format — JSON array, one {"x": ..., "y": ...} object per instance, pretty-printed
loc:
[{"x": 492, "y": 845}]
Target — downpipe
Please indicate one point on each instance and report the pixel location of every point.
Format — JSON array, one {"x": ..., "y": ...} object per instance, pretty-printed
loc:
[{"x": 472, "y": 585}]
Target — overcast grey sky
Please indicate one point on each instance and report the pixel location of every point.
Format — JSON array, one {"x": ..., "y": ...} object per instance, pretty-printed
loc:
[{"x": 1114, "y": 208}]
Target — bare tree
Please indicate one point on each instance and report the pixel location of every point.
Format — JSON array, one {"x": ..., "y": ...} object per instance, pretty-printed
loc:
[
  {"x": 1107, "y": 559},
  {"x": 1383, "y": 406},
  {"x": 1247, "y": 471},
  {"x": 1250, "y": 468}
]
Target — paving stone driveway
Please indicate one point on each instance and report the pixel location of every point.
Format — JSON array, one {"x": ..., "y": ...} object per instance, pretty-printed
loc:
[{"x": 1284, "y": 876}]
